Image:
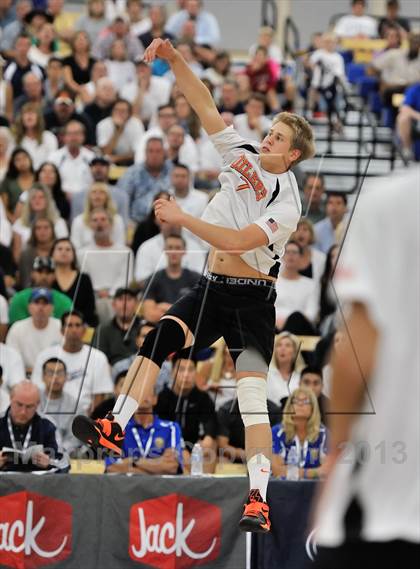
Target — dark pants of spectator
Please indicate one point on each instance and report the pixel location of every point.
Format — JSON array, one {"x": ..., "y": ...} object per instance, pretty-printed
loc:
[{"x": 298, "y": 324}]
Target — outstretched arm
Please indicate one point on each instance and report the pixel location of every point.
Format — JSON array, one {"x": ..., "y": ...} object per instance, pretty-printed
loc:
[{"x": 194, "y": 90}]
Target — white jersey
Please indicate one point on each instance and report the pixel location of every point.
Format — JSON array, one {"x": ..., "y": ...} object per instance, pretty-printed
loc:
[
  {"x": 250, "y": 194},
  {"x": 380, "y": 268}
]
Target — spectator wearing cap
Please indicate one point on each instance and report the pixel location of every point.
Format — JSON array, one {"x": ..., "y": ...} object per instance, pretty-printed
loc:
[
  {"x": 117, "y": 337},
  {"x": 31, "y": 335},
  {"x": 207, "y": 30},
  {"x": 101, "y": 106},
  {"x": 21, "y": 428},
  {"x": 147, "y": 93},
  {"x": 88, "y": 374},
  {"x": 42, "y": 277},
  {"x": 62, "y": 113},
  {"x": 143, "y": 181},
  {"x": 119, "y": 135},
  {"x": 94, "y": 21},
  {"x": 20, "y": 65},
  {"x": 119, "y": 30},
  {"x": 15, "y": 28},
  {"x": 73, "y": 159}
]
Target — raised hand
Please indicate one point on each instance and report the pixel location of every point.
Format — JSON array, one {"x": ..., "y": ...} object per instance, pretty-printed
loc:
[{"x": 159, "y": 48}]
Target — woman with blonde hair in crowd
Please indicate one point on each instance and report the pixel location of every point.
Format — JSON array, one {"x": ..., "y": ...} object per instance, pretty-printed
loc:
[
  {"x": 31, "y": 135},
  {"x": 97, "y": 197},
  {"x": 312, "y": 260},
  {"x": 301, "y": 429},
  {"x": 283, "y": 374},
  {"x": 38, "y": 203}
]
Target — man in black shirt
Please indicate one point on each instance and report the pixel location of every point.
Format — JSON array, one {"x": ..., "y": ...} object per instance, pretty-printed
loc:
[
  {"x": 193, "y": 409},
  {"x": 165, "y": 287}
]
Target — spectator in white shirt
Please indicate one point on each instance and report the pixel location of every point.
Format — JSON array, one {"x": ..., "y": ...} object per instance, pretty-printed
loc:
[
  {"x": 31, "y": 335},
  {"x": 119, "y": 135},
  {"x": 88, "y": 373},
  {"x": 73, "y": 159},
  {"x": 356, "y": 24},
  {"x": 4, "y": 395},
  {"x": 253, "y": 124},
  {"x": 147, "y": 92},
  {"x": 190, "y": 200},
  {"x": 12, "y": 365},
  {"x": 295, "y": 294},
  {"x": 138, "y": 24},
  {"x": 120, "y": 69},
  {"x": 178, "y": 151},
  {"x": 32, "y": 136},
  {"x": 97, "y": 197},
  {"x": 283, "y": 376}
]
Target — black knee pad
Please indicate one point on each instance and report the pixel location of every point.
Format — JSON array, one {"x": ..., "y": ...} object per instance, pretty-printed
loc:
[{"x": 166, "y": 338}]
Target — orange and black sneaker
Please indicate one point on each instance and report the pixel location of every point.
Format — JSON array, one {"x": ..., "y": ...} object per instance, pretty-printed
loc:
[
  {"x": 255, "y": 516},
  {"x": 105, "y": 433}
]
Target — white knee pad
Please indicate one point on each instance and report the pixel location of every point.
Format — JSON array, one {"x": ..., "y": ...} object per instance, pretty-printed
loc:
[{"x": 252, "y": 400}]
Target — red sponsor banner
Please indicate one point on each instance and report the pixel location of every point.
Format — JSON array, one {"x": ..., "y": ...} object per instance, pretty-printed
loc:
[
  {"x": 174, "y": 532},
  {"x": 35, "y": 530}
]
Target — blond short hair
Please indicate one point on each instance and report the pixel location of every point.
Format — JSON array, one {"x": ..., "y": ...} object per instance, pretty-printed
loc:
[{"x": 303, "y": 136}]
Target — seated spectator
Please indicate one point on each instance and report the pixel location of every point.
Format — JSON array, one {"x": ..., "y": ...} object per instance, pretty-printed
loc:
[
  {"x": 57, "y": 405},
  {"x": 20, "y": 65},
  {"x": 117, "y": 337},
  {"x": 166, "y": 286},
  {"x": 6, "y": 147},
  {"x": 49, "y": 176},
  {"x": 88, "y": 376},
  {"x": 312, "y": 263},
  {"x": 39, "y": 244},
  {"x": 22, "y": 428},
  {"x": 295, "y": 294},
  {"x": 398, "y": 69},
  {"x": 147, "y": 93},
  {"x": 150, "y": 256},
  {"x": 16, "y": 27},
  {"x": 101, "y": 106},
  {"x": 6, "y": 102},
  {"x": 7, "y": 264},
  {"x": 4, "y": 317},
  {"x": 42, "y": 276},
  {"x": 408, "y": 120},
  {"x": 190, "y": 200},
  {"x": 263, "y": 78},
  {"x": 301, "y": 429},
  {"x": 207, "y": 31},
  {"x": 120, "y": 68},
  {"x": 217, "y": 376},
  {"x": 88, "y": 93},
  {"x": 356, "y": 24},
  {"x": 149, "y": 227},
  {"x": 141, "y": 182},
  {"x": 63, "y": 23},
  {"x": 229, "y": 98},
  {"x": 78, "y": 65},
  {"x": 118, "y": 30},
  {"x": 139, "y": 23},
  {"x": 178, "y": 152},
  {"x": 38, "y": 204},
  {"x": 63, "y": 112},
  {"x": 313, "y": 197},
  {"x": 187, "y": 117},
  {"x": 192, "y": 408},
  {"x": 45, "y": 47},
  {"x": 253, "y": 124},
  {"x": 69, "y": 281},
  {"x": 108, "y": 404},
  {"x": 119, "y": 135},
  {"x": 19, "y": 178},
  {"x": 97, "y": 197},
  {"x": 13, "y": 370},
  {"x": 31, "y": 335},
  {"x": 283, "y": 375},
  {"x": 218, "y": 72},
  {"x": 165, "y": 375},
  {"x": 266, "y": 39},
  {"x": 32, "y": 136},
  {"x": 231, "y": 431},
  {"x": 94, "y": 22},
  {"x": 189, "y": 55},
  {"x": 151, "y": 445},
  {"x": 109, "y": 266},
  {"x": 157, "y": 16},
  {"x": 73, "y": 159},
  {"x": 99, "y": 170},
  {"x": 328, "y": 231},
  {"x": 328, "y": 300},
  {"x": 54, "y": 82},
  {"x": 392, "y": 19},
  {"x": 32, "y": 93},
  {"x": 4, "y": 394}
]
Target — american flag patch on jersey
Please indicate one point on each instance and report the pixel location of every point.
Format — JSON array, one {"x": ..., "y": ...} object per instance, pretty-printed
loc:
[{"x": 272, "y": 225}]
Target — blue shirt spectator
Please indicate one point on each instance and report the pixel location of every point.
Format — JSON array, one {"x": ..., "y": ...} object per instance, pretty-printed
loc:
[
  {"x": 328, "y": 231},
  {"x": 142, "y": 182},
  {"x": 310, "y": 453},
  {"x": 207, "y": 31}
]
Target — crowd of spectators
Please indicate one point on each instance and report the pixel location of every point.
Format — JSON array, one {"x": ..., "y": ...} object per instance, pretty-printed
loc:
[{"x": 90, "y": 137}]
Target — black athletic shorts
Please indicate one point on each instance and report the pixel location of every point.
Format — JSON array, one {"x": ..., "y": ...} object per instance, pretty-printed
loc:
[{"x": 240, "y": 310}]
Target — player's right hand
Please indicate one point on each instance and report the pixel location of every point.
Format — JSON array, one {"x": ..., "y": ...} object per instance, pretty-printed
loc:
[{"x": 159, "y": 48}]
